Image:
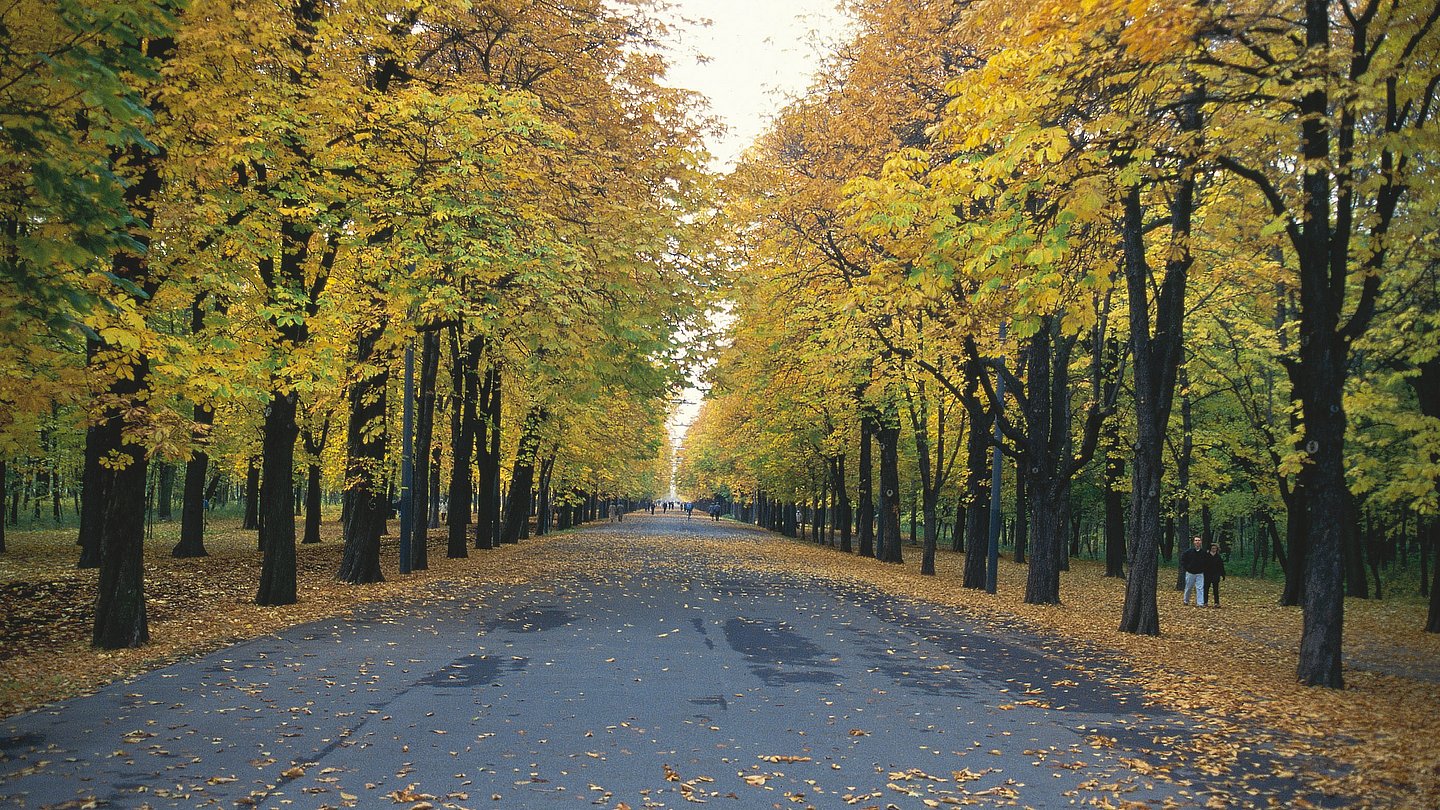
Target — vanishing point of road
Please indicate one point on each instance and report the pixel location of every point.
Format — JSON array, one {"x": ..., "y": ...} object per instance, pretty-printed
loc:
[{"x": 679, "y": 677}]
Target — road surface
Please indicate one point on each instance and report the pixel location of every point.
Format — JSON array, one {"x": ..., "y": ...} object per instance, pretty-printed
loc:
[{"x": 683, "y": 678}]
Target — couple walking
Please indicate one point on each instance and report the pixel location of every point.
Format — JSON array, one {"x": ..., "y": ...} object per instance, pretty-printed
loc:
[{"x": 1203, "y": 572}]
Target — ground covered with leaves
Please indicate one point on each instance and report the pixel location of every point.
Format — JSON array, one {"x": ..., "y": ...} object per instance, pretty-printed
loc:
[{"x": 1231, "y": 669}]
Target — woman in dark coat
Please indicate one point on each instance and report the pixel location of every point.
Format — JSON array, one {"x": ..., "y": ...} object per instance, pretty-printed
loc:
[{"x": 1214, "y": 572}]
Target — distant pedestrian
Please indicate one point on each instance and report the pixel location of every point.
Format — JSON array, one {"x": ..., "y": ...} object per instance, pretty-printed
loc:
[
  {"x": 1194, "y": 560},
  {"x": 1214, "y": 572},
  {"x": 715, "y": 512}
]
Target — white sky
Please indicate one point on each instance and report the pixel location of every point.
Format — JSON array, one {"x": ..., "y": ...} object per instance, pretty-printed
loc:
[{"x": 761, "y": 53}]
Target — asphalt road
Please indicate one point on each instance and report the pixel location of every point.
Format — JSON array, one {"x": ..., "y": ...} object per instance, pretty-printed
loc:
[{"x": 684, "y": 679}]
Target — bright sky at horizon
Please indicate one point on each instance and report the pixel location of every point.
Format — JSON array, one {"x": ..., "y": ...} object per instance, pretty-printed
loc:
[{"x": 753, "y": 57}]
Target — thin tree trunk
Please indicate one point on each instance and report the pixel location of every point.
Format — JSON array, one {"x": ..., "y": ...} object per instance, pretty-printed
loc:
[
  {"x": 462, "y": 439},
  {"x": 865, "y": 513},
  {"x": 192, "y": 507},
  {"x": 252, "y": 495},
  {"x": 522, "y": 479},
  {"x": 888, "y": 436},
  {"x": 424, "y": 440}
]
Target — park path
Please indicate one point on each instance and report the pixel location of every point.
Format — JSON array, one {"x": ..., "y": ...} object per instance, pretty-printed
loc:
[{"x": 681, "y": 676}]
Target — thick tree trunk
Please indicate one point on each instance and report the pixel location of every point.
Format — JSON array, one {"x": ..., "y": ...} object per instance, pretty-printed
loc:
[
  {"x": 120, "y": 616},
  {"x": 1296, "y": 530},
  {"x": 365, "y": 439},
  {"x": 1050, "y": 518},
  {"x": 276, "y": 499}
]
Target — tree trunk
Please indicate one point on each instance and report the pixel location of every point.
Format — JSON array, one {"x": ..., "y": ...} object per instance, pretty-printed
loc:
[
  {"x": 977, "y": 508},
  {"x": 192, "y": 507},
  {"x": 843, "y": 515},
  {"x": 424, "y": 440},
  {"x": 888, "y": 436},
  {"x": 522, "y": 479},
  {"x": 1050, "y": 519},
  {"x": 865, "y": 512},
  {"x": 120, "y": 616},
  {"x": 462, "y": 439},
  {"x": 1022, "y": 518},
  {"x": 1157, "y": 359},
  {"x": 92, "y": 501},
  {"x": 365, "y": 439},
  {"x": 1432, "y": 619},
  {"x": 487, "y": 526},
  {"x": 314, "y": 497},
  {"x": 542, "y": 522},
  {"x": 252, "y": 495},
  {"x": 1115, "y": 551},
  {"x": 276, "y": 499}
]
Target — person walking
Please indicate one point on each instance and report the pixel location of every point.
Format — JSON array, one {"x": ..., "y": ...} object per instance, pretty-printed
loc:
[
  {"x": 1214, "y": 572},
  {"x": 1194, "y": 560}
]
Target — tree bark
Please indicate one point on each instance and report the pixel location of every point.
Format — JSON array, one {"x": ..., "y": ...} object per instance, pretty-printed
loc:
[
  {"x": 365, "y": 439},
  {"x": 252, "y": 495},
  {"x": 424, "y": 440},
  {"x": 463, "y": 359},
  {"x": 865, "y": 512},
  {"x": 192, "y": 507},
  {"x": 888, "y": 436},
  {"x": 522, "y": 479},
  {"x": 276, "y": 499},
  {"x": 1157, "y": 357},
  {"x": 120, "y": 615},
  {"x": 487, "y": 526}
]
